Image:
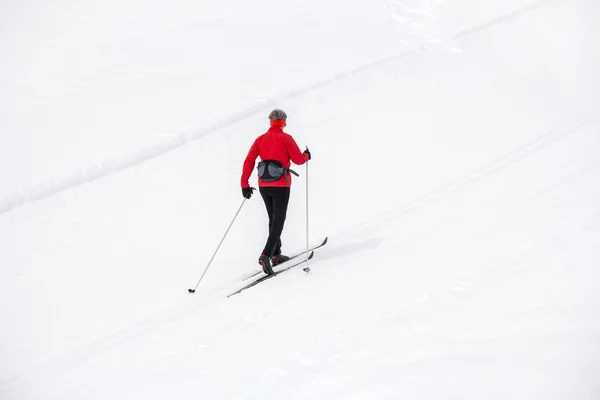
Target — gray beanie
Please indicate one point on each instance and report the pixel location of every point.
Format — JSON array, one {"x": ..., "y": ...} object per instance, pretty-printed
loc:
[{"x": 277, "y": 114}]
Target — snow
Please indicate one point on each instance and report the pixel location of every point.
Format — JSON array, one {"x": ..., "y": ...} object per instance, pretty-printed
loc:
[{"x": 455, "y": 170}]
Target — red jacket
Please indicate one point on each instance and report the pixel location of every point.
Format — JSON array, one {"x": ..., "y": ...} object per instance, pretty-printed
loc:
[{"x": 275, "y": 144}]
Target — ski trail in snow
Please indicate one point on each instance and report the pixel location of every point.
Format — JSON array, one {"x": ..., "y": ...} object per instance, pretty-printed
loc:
[
  {"x": 86, "y": 353},
  {"x": 568, "y": 128},
  {"x": 503, "y": 18},
  {"x": 21, "y": 197}
]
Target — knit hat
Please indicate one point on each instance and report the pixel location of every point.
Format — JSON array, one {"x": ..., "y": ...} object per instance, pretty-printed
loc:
[
  {"x": 278, "y": 118},
  {"x": 277, "y": 114}
]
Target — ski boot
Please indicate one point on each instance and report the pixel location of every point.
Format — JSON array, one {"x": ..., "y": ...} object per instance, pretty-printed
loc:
[
  {"x": 265, "y": 263},
  {"x": 278, "y": 259}
]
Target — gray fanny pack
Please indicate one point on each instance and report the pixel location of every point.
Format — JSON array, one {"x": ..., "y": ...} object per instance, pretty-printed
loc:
[{"x": 273, "y": 170}]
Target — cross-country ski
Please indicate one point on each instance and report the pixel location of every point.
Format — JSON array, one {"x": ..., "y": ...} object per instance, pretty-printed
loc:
[
  {"x": 274, "y": 274},
  {"x": 293, "y": 257}
]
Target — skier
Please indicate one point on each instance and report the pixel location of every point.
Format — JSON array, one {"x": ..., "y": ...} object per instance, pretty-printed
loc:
[{"x": 275, "y": 148}]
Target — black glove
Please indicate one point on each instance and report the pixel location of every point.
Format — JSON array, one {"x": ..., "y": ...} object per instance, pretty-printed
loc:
[
  {"x": 307, "y": 151},
  {"x": 247, "y": 192}
]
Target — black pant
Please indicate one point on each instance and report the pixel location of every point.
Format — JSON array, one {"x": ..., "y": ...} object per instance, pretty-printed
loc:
[{"x": 276, "y": 201}]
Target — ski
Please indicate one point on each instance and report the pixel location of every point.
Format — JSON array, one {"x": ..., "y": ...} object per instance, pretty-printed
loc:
[
  {"x": 291, "y": 258},
  {"x": 264, "y": 278}
]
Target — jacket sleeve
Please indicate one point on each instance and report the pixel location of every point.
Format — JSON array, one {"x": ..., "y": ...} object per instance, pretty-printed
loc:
[
  {"x": 294, "y": 152},
  {"x": 249, "y": 165}
]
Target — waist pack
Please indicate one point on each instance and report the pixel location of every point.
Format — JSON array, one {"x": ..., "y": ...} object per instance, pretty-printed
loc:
[{"x": 273, "y": 170}]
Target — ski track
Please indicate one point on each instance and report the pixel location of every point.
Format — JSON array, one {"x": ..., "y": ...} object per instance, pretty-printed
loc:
[
  {"x": 53, "y": 367},
  {"x": 49, "y": 368},
  {"x": 564, "y": 130},
  {"x": 21, "y": 197},
  {"x": 503, "y": 18}
]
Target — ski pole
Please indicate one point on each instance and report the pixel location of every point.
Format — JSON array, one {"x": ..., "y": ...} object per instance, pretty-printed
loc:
[
  {"x": 220, "y": 243},
  {"x": 307, "y": 268}
]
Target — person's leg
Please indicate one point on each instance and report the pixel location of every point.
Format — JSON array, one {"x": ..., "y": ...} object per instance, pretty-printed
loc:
[
  {"x": 280, "y": 198},
  {"x": 267, "y": 197}
]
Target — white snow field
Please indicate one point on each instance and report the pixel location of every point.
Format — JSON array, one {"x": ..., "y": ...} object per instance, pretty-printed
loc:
[{"x": 456, "y": 172}]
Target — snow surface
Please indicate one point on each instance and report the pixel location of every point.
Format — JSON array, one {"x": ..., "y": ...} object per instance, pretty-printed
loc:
[{"x": 456, "y": 172}]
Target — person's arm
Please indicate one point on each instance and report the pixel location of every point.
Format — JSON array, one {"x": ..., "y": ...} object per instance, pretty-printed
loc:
[
  {"x": 249, "y": 165},
  {"x": 294, "y": 152}
]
